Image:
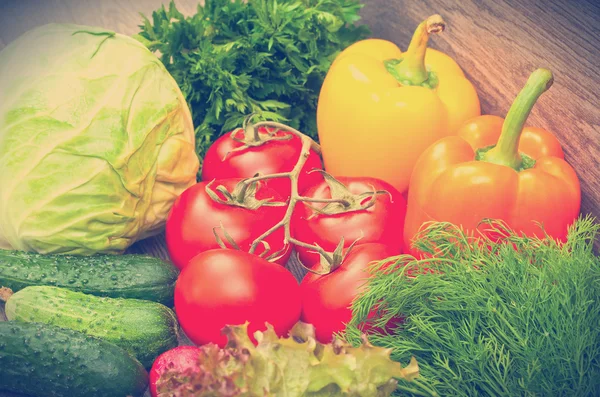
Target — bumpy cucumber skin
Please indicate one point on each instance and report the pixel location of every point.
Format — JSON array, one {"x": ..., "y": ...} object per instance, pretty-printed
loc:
[
  {"x": 115, "y": 276},
  {"x": 145, "y": 329},
  {"x": 44, "y": 360}
]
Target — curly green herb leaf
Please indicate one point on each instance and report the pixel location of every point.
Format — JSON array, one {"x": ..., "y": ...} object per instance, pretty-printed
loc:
[{"x": 268, "y": 57}]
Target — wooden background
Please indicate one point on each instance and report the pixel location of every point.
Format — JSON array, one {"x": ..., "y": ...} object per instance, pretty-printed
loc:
[{"x": 498, "y": 44}]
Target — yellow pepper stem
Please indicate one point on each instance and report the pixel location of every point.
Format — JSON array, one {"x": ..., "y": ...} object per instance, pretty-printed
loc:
[
  {"x": 411, "y": 70},
  {"x": 506, "y": 151}
]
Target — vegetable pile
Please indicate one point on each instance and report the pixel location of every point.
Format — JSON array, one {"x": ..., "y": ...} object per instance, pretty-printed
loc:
[{"x": 432, "y": 236}]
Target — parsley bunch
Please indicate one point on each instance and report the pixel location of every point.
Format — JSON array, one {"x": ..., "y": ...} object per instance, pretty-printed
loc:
[
  {"x": 268, "y": 57},
  {"x": 520, "y": 317}
]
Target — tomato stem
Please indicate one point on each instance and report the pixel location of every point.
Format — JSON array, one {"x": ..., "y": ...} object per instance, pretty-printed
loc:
[
  {"x": 307, "y": 145},
  {"x": 253, "y": 137},
  {"x": 411, "y": 69},
  {"x": 342, "y": 199},
  {"x": 243, "y": 193},
  {"x": 251, "y": 134},
  {"x": 273, "y": 124},
  {"x": 320, "y": 250},
  {"x": 343, "y": 202},
  {"x": 308, "y": 269},
  {"x": 506, "y": 151},
  {"x": 293, "y": 175},
  {"x": 246, "y": 183}
]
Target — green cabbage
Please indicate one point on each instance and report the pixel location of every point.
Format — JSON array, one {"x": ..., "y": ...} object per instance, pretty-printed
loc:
[{"x": 96, "y": 141}]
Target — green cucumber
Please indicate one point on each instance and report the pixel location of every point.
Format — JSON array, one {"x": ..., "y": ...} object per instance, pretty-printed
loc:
[
  {"x": 143, "y": 328},
  {"x": 115, "y": 276},
  {"x": 45, "y": 360}
]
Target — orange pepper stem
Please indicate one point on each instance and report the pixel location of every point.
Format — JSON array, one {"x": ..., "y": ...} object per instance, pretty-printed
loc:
[
  {"x": 411, "y": 70},
  {"x": 506, "y": 151}
]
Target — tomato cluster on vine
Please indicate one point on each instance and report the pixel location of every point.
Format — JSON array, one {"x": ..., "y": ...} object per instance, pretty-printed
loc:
[{"x": 265, "y": 196}]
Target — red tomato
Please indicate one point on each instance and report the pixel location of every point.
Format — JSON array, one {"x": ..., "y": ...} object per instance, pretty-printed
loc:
[
  {"x": 229, "y": 287},
  {"x": 189, "y": 227},
  {"x": 326, "y": 299},
  {"x": 269, "y": 158},
  {"x": 382, "y": 223},
  {"x": 179, "y": 359}
]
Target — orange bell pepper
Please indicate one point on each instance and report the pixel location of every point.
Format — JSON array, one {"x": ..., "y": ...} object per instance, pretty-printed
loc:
[
  {"x": 379, "y": 108},
  {"x": 496, "y": 169}
]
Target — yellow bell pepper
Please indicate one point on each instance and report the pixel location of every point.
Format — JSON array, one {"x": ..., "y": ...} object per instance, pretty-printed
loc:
[{"x": 379, "y": 108}]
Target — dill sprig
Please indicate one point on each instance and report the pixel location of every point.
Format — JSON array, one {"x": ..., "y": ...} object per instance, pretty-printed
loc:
[{"x": 515, "y": 317}]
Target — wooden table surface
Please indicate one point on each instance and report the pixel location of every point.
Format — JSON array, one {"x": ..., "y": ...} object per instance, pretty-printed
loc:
[{"x": 498, "y": 44}]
